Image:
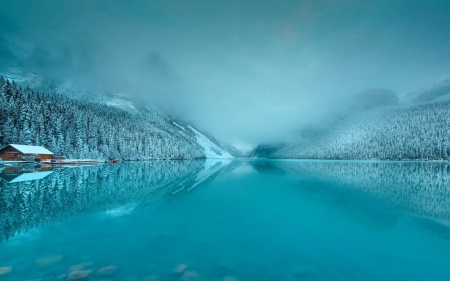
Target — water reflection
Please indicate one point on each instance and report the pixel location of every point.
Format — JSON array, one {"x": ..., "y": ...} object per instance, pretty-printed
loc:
[
  {"x": 16, "y": 174},
  {"x": 420, "y": 188},
  {"x": 255, "y": 220},
  {"x": 30, "y": 196},
  {"x": 440, "y": 230}
]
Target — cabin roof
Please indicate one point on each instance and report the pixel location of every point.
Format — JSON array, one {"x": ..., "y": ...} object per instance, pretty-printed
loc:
[{"x": 30, "y": 149}]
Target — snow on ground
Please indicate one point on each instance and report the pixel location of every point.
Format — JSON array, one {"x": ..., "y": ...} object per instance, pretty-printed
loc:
[
  {"x": 121, "y": 211},
  {"x": 178, "y": 125},
  {"x": 121, "y": 103},
  {"x": 211, "y": 149}
]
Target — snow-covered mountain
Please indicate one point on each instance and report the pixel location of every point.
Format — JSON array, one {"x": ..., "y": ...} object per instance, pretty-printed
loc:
[
  {"x": 73, "y": 71},
  {"x": 81, "y": 128},
  {"x": 265, "y": 150},
  {"x": 76, "y": 74},
  {"x": 211, "y": 149},
  {"x": 372, "y": 98},
  {"x": 415, "y": 130}
]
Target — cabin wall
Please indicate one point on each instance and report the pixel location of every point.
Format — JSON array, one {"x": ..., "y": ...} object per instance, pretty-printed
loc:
[
  {"x": 9, "y": 153},
  {"x": 45, "y": 156},
  {"x": 19, "y": 156},
  {"x": 11, "y": 157}
]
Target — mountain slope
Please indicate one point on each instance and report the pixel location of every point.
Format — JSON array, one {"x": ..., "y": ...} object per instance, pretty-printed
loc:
[
  {"x": 436, "y": 92},
  {"x": 211, "y": 149},
  {"x": 412, "y": 131},
  {"x": 84, "y": 129},
  {"x": 265, "y": 150},
  {"x": 73, "y": 74}
]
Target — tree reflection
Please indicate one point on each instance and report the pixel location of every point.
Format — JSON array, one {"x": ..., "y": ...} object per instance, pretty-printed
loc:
[{"x": 72, "y": 191}]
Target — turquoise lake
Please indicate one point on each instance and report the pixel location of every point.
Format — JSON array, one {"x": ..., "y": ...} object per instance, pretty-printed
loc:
[{"x": 247, "y": 219}]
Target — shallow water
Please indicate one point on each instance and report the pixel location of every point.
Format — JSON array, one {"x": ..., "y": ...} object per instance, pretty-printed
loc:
[{"x": 254, "y": 220}]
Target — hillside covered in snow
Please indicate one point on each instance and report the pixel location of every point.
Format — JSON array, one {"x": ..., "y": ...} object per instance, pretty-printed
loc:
[
  {"x": 78, "y": 128},
  {"x": 415, "y": 130}
]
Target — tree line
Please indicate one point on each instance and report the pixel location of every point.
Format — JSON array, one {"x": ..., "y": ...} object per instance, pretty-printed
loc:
[
  {"x": 411, "y": 132},
  {"x": 84, "y": 129}
]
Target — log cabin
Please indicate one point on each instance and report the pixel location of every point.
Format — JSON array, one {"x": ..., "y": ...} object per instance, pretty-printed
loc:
[{"x": 18, "y": 152}]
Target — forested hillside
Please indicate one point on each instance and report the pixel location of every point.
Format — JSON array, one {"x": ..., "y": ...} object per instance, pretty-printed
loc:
[
  {"x": 438, "y": 91},
  {"x": 84, "y": 129},
  {"x": 416, "y": 132}
]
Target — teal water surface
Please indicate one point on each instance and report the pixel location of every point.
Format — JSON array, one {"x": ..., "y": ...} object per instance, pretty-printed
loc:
[{"x": 247, "y": 219}]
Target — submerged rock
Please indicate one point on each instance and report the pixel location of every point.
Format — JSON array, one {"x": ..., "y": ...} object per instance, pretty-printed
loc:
[
  {"x": 179, "y": 269},
  {"x": 230, "y": 278},
  {"x": 106, "y": 271},
  {"x": 81, "y": 266},
  {"x": 190, "y": 275},
  {"x": 77, "y": 267},
  {"x": 49, "y": 260},
  {"x": 5, "y": 270},
  {"x": 80, "y": 275}
]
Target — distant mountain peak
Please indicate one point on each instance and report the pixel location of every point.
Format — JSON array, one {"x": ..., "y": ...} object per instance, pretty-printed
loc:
[{"x": 373, "y": 98}]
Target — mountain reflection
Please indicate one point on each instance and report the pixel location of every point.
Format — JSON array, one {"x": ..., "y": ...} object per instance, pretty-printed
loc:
[
  {"x": 420, "y": 188},
  {"x": 31, "y": 196},
  {"x": 45, "y": 195}
]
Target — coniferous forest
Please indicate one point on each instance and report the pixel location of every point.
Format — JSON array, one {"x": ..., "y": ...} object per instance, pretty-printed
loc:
[
  {"x": 84, "y": 129},
  {"x": 410, "y": 132}
]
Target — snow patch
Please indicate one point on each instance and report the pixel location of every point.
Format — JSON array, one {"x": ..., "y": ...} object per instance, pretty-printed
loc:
[
  {"x": 121, "y": 103},
  {"x": 211, "y": 149},
  {"x": 120, "y": 211},
  {"x": 179, "y": 126}
]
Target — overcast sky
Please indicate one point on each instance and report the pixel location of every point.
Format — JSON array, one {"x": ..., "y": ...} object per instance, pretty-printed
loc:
[{"x": 248, "y": 71}]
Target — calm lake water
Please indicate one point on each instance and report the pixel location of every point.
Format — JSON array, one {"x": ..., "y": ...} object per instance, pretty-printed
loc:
[{"x": 252, "y": 220}]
